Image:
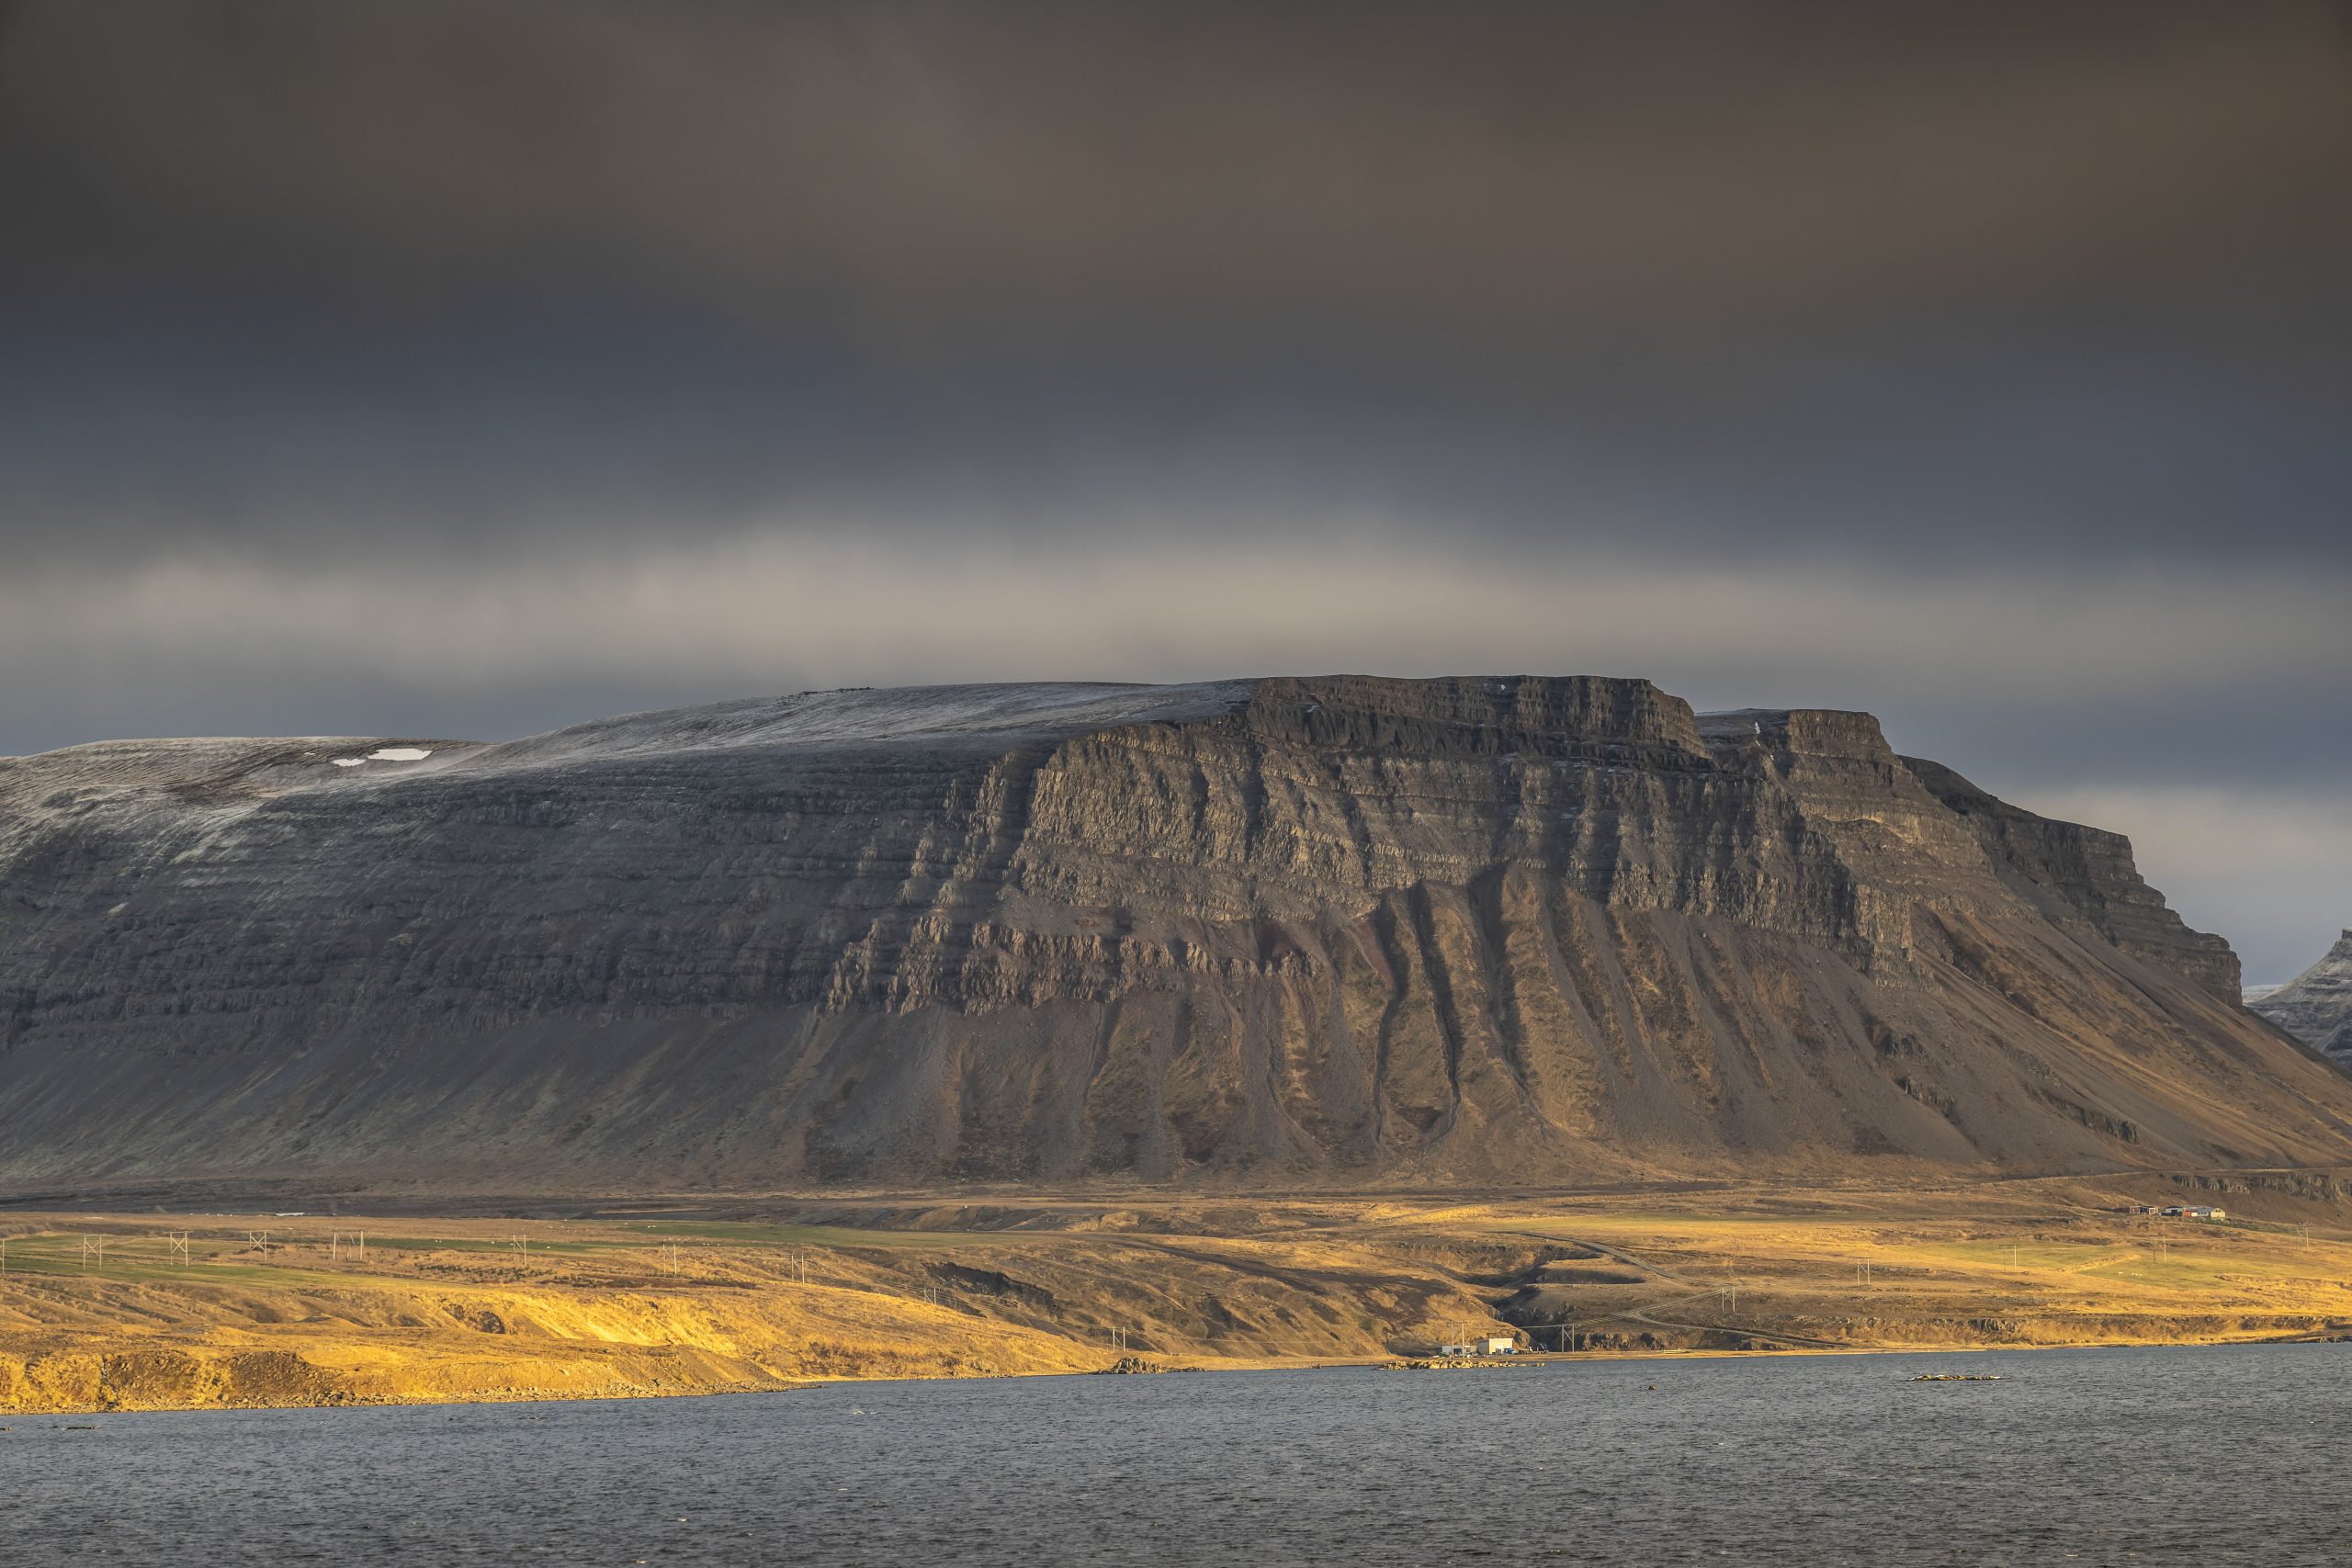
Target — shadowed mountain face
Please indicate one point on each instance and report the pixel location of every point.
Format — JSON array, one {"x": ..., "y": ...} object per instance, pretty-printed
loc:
[
  {"x": 1290, "y": 930},
  {"x": 2315, "y": 1007}
]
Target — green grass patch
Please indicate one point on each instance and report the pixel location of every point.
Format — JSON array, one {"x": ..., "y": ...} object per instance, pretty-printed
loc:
[
  {"x": 121, "y": 1268},
  {"x": 533, "y": 1245},
  {"x": 747, "y": 1234}
]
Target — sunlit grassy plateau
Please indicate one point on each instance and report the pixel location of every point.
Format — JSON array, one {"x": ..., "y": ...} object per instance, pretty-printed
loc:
[{"x": 167, "y": 1310}]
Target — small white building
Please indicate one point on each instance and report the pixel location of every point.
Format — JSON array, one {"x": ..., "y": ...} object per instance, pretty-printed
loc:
[{"x": 1485, "y": 1345}]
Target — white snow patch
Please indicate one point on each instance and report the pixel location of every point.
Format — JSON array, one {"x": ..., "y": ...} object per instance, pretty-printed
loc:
[
  {"x": 399, "y": 754},
  {"x": 348, "y": 761}
]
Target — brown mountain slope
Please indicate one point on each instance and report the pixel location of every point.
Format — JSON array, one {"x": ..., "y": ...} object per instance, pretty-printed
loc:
[
  {"x": 1336, "y": 931},
  {"x": 2315, "y": 1007}
]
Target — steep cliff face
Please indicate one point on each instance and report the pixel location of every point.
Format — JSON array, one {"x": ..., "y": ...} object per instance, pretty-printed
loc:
[
  {"x": 2083, "y": 879},
  {"x": 1335, "y": 929},
  {"x": 2315, "y": 1007}
]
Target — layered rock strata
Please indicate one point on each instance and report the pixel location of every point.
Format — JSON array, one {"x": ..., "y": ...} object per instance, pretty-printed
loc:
[{"x": 1331, "y": 930}]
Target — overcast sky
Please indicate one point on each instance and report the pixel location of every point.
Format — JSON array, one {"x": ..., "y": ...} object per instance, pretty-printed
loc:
[{"x": 471, "y": 368}]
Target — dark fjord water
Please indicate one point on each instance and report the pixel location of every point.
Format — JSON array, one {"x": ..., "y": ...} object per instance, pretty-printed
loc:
[{"x": 2187, "y": 1456}]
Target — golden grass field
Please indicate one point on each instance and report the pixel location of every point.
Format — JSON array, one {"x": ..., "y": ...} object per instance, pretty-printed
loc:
[{"x": 123, "y": 1311}]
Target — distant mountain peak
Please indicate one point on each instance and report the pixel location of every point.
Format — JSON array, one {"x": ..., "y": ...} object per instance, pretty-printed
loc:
[{"x": 2315, "y": 1007}]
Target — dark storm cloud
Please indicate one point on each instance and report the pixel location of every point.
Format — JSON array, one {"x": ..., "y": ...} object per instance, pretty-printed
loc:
[
  {"x": 1789, "y": 274},
  {"x": 1522, "y": 164},
  {"x": 452, "y": 364}
]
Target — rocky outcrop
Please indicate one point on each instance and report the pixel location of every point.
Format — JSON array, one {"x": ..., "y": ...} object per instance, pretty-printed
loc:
[
  {"x": 2315, "y": 1007},
  {"x": 1292, "y": 931}
]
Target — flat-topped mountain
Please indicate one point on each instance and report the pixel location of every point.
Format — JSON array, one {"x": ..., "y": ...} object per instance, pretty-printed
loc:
[
  {"x": 1329, "y": 931},
  {"x": 2315, "y": 1007}
]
